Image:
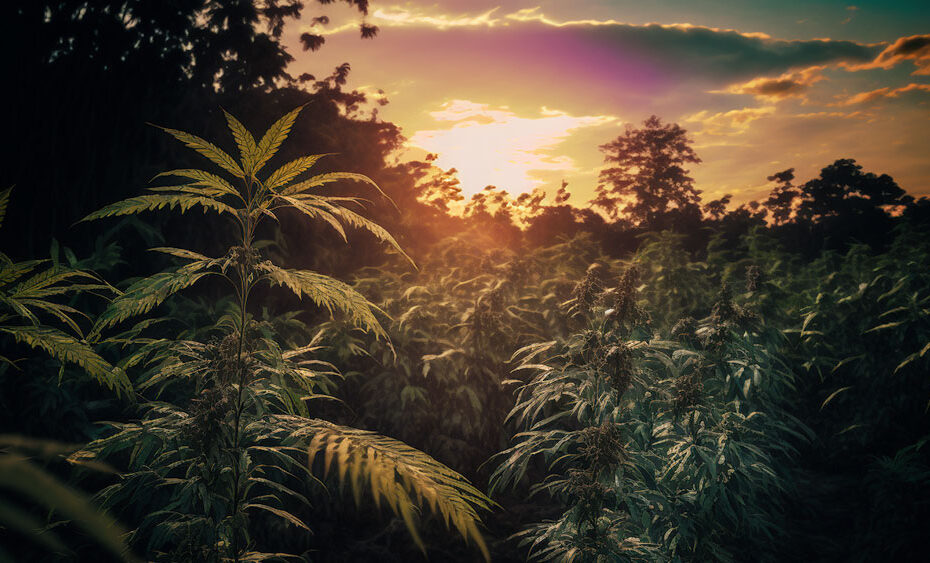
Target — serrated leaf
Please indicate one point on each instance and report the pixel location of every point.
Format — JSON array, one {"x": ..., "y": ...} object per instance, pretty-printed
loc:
[
  {"x": 204, "y": 179},
  {"x": 147, "y": 293},
  {"x": 152, "y": 202},
  {"x": 402, "y": 476},
  {"x": 291, "y": 170},
  {"x": 328, "y": 293},
  {"x": 66, "y": 348},
  {"x": 248, "y": 150},
  {"x": 273, "y": 138},
  {"x": 207, "y": 149}
]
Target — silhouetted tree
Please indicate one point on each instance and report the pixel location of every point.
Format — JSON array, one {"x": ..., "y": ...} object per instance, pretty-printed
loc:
[
  {"x": 84, "y": 78},
  {"x": 716, "y": 209},
  {"x": 843, "y": 190},
  {"x": 782, "y": 197},
  {"x": 647, "y": 177}
]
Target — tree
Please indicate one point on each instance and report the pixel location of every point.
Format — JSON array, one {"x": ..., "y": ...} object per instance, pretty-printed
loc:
[
  {"x": 100, "y": 70},
  {"x": 782, "y": 197},
  {"x": 843, "y": 190},
  {"x": 716, "y": 209},
  {"x": 647, "y": 175}
]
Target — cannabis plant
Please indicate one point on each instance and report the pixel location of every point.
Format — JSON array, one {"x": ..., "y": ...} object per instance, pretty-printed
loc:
[
  {"x": 29, "y": 298},
  {"x": 656, "y": 449},
  {"x": 240, "y": 446},
  {"x": 28, "y": 292},
  {"x": 455, "y": 322}
]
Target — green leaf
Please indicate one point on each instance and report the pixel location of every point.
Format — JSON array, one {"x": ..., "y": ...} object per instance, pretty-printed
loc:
[
  {"x": 328, "y": 178},
  {"x": 68, "y": 349},
  {"x": 217, "y": 185},
  {"x": 148, "y": 293},
  {"x": 885, "y": 326},
  {"x": 248, "y": 150},
  {"x": 273, "y": 138},
  {"x": 207, "y": 149},
  {"x": 4, "y": 202},
  {"x": 328, "y": 293},
  {"x": 283, "y": 514},
  {"x": 834, "y": 394},
  {"x": 400, "y": 475},
  {"x": 320, "y": 207},
  {"x": 151, "y": 202},
  {"x": 291, "y": 170}
]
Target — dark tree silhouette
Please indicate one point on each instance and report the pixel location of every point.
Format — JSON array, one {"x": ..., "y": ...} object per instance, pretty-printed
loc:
[
  {"x": 843, "y": 190},
  {"x": 782, "y": 197},
  {"x": 716, "y": 209},
  {"x": 85, "y": 77},
  {"x": 647, "y": 177}
]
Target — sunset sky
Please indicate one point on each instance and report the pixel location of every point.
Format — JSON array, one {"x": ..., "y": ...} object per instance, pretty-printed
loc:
[{"x": 521, "y": 94}]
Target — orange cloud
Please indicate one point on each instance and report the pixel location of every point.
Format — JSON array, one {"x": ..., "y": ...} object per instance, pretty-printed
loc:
[
  {"x": 883, "y": 93},
  {"x": 788, "y": 85},
  {"x": 915, "y": 48},
  {"x": 729, "y": 123}
]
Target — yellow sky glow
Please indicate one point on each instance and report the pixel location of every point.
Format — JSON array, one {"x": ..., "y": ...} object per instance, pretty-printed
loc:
[{"x": 495, "y": 146}]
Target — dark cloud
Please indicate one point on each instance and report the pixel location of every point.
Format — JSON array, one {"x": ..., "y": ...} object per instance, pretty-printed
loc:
[
  {"x": 725, "y": 55},
  {"x": 776, "y": 88},
  {"x": 793, "y": 84}
]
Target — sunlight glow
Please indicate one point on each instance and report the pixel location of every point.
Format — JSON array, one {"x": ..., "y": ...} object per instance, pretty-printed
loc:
[{"x": 495, "y": 146}]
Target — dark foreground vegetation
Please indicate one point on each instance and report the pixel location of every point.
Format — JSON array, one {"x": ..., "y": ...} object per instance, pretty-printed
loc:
[{"x": 204, "y": 369}]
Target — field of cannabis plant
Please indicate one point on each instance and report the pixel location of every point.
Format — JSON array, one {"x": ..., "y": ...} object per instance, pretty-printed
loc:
[{"x": 707, "y": 396}]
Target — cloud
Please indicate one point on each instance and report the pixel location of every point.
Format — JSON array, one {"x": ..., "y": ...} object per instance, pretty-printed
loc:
[
  {"x": 495, "y": 146},
  {"x": 682, "y": 48},
  {"x": 852, "y": 12},
  {"x": 788, "y": 85},
  {"x": 728, "y": 123},
  {"x": 883, "y": 93},
  {"x": 914, "y": 48}
]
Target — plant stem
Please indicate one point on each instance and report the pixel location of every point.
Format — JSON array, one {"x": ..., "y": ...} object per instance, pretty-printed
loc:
[{"x": 244, "y": 288}]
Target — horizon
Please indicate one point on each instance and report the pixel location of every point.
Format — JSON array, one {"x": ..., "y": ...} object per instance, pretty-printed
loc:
[{"x": 759, "y": 90}]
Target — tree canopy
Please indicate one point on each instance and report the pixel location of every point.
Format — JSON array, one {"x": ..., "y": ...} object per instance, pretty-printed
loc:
[{"x": 647, "y": 177}]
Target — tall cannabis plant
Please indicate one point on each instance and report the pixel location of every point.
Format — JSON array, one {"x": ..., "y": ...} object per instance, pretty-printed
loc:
[{"x": 235, "y": 449}]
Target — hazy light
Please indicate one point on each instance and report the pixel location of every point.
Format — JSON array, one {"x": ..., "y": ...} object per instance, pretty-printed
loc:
[{"x": 495, "y": 146}]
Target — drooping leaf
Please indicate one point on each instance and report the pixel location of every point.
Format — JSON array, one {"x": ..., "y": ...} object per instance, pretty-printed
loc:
[
  {"x": 21, "y": 475},
  {"x": 66, "y": 348},
  {"x": 321, "y": 208},
  {"x": 390, "y": 470},
  {"x": 328, "y": 293},
  {"x": 328, "y": 178},
  {"x": 151, "y": 202},
  {"x": 148, "y": 293},
  {"x": 204, "y": 179}
]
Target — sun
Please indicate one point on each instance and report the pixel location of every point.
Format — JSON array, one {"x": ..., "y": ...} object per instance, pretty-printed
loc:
[{"x": 498, "y": 147}]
